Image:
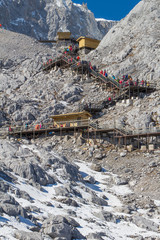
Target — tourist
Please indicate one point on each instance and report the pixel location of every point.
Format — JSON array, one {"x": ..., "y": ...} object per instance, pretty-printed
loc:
[
  {"x": 10, "y": 129},
  {"x": 142, "y": 82}
]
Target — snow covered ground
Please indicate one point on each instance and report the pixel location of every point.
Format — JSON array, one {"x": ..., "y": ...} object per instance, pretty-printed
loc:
[{"x": 89, "y": 215}]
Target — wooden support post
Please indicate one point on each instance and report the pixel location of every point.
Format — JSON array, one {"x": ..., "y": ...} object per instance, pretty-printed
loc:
[
  {"x": 60, "y": 132},
  {"x": 74, "y": 132},
  {"x": 21, "y": 133},
  {"x": 129, "y": 90},
  {"x": 95, "y": 135},
  {"x": 119, "y": 141},
  {"x": 33, "y": 133},
  {"x": 147, "y": 141},
  {"x": 88, "y": 134},
  {"x": 133, "y": 92}
]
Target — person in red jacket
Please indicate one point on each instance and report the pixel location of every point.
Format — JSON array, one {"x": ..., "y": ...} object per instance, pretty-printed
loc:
[{"x": 142, "y": 83}]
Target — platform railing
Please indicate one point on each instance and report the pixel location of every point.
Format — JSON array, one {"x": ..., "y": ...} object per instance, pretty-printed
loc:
[
  {"x": 47, "y": 126},
  {"x": 88, "y": 123}
]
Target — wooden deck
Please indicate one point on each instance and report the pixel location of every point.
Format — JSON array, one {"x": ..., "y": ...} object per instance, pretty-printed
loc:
[
  {"x": 118, "y": 133},
  {"x": 47, "y": 131}
]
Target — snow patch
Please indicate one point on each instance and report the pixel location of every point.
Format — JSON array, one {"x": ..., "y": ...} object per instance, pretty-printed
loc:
[
  {"x": 18, "y": 21},
  {"x": 102, "y": 19}
]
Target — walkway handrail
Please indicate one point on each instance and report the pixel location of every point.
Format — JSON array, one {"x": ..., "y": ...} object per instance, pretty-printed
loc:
[
  {"x": 47, "y": 126},
  {"x": 105, "y": 79}
]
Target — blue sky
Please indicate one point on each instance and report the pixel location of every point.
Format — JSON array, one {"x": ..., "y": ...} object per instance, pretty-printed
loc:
[{"x": 109, "y": 9}]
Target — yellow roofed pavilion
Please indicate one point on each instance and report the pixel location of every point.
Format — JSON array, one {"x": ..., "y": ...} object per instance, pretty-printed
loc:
[
  {"x": 72, "y": 119},
  {"x": 63, "y": 35},
  {"x": 85, "y": 42}
]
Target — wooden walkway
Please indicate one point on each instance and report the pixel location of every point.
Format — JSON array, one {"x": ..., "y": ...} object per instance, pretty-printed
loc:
[
  {"x": 86, "y": 128},
  {"x": 83, "y": 67},
  {"x": 32, "y": 133}
]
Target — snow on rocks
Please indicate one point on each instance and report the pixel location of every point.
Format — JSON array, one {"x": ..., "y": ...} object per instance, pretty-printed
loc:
[{"x": 85, "y": 194}]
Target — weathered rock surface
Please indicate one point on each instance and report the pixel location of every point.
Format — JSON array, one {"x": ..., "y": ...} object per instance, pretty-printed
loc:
[
  {"x": 9, "y": 206},
  {"x": 132, "y": 46},
  {"x": 30, "y": 236},
  {"x": 58, "y": 226},
  {"x": 113, "y": 190},
  {"x": 43, "y": 19}
]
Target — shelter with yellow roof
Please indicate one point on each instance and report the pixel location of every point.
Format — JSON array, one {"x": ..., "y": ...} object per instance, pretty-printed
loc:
[
  {"x": 87, "y": 44},
  {"x": 75, "y": 119}
]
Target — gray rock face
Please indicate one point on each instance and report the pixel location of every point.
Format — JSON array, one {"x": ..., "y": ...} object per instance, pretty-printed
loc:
[
  {"x": 29, "y": 236},
  {"x": 42, "y": 19},
  {"x": 95, "y": 236},
  {"x": 132, "y": 46},
  {"x": 145, "y": 223},
  {"x": 96, "y": 167},
  {"x": 58, "y": 226},
  {"x": 9, "y": 206},
  {"x": 97, "y": 200}
]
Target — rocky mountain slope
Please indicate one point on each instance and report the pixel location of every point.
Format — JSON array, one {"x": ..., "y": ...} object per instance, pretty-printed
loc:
[
  {"x": 39, "y": 179},
  {"x": 61, "y": 187},
  {"x": 47, "y": 195},
  {"x": 43, "y": 19},
  {"x": 133, "y": 45}
]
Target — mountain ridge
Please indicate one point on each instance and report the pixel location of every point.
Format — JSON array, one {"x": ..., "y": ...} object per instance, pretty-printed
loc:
[
  {"x": 133, "y": 45},
  {"x": 44, "y": 18}
]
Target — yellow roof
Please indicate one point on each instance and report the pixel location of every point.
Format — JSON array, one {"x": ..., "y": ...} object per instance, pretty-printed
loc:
[
  {"x": 64, "y": 35},
  {"x": 82, "y": 37},
  {"x": 71, "y": 114}
]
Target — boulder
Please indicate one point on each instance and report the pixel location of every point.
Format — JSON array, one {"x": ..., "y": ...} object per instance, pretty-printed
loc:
[
  {"x": 145, "y": 223},
  {"x": 33, "y": 172},
  {"x": 9, "y": 206},
  {"x": 69, "y": 202},
  {"x": 59, "y": 226},
  {"x": 89, "y": 179},
  {"x": 21, "y": 235},
  {"x": 105, "y": 216},
  {"x": 95, "y": 236},
  {"x": 120, "y": 181},
  {"x": 93, "y": 198},
  {"x": 123, "y": 154},
  {"x": 96, "y": 167},
  {"x": 98, "y": 156}
]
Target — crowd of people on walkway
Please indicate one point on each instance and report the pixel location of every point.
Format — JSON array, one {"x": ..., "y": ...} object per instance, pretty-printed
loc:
[{"x": 124, "y": 81}]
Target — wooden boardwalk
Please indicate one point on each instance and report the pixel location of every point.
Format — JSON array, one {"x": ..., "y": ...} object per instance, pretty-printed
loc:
[
  {"x": 118, "y": 91},
  {"x": 83, "y": 67},
  {"x": 87, "y": 128}
]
